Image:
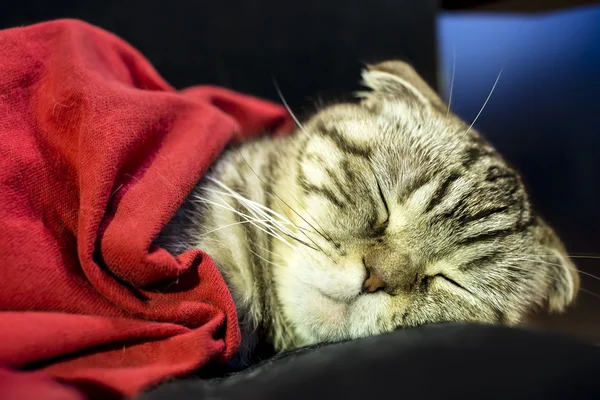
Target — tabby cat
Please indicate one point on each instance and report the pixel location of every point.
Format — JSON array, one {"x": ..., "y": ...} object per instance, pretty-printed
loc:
[{"x": 383, "y": 213}]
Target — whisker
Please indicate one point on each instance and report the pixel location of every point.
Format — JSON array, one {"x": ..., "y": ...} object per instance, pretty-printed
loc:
[
  {"x": 590, "y": 292},
  {"x": 452, "y": 79},
  {"x": 226, "y": 226},
  {"x": 262, "y": 258},
  {"x": 247, "y": 217},
  {"x": 322, "y": 231},
  {"x": 253, "y": 204},
  {"x": 269, "y": 228},
  {"x": 280, "y": 94},
  {"x": 280, "y": 199},
  {"x": 256, "y": 207},
  {"x": 267, "y": 250},
  {"x": 559, "y": 265},
  {"x": 286, "y": 105},
  {"x": 486, "y": 101},
  {"x": 588, "y": 257}
]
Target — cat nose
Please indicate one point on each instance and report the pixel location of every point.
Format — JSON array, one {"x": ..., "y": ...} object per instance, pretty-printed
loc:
[{"x": 373, "y": 283}]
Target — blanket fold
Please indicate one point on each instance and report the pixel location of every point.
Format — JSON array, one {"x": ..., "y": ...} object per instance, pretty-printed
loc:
[{"x": 97, "y": 152}]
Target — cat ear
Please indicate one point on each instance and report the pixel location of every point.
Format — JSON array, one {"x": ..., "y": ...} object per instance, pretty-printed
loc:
[
  {"x": 562, "y": 277},
  {"x": 397, "y": 79},
  {"x": 563, "y": 282}
]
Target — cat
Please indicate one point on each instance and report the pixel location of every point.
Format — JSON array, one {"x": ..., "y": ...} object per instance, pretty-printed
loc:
[{"x": 377, "y": 214}]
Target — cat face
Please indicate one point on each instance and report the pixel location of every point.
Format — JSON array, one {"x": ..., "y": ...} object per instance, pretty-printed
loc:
[{"x": 412, "y": 218}]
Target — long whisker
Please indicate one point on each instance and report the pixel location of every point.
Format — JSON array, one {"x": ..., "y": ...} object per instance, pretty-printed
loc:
[
  {"x": 283, "y": 100},
  {"x": 452, "y": 79},
  {"x": 590, "y": 292},
  {"x": 283, "y": 201},
  {"x": 486, "y": 101},
  {"x": 262, "y": 258},
  {"x": 590, "y": 257},
  {"x": 228, "y": 226},
  {"x": 321, "y": 232},
  {"x": 286, "y": 105},
  {"x": 247, "y": 217},
  {"x": 558, "y": 265},
  {"x": 268, "y": 230},
  {"x": 555, "y": 279},
  {"x": 258, "y": 208},
  {"x": 255, "y": 208}
]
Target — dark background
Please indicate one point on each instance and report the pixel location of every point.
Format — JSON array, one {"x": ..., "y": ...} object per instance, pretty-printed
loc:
[
  {"x": 311, "y": 47},
  {"x": 543, "y": 116}
]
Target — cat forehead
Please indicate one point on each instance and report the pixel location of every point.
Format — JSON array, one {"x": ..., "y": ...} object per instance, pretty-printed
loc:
[
  {"x": 392, "y": 129},
  {"x": 389, "y": 115}
]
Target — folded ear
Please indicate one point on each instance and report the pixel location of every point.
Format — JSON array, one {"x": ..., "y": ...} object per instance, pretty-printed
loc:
[
  {"x": 562, "y": 275},
  {"x": 563, "y": 283},
  {"x": 397, "y": 79}
]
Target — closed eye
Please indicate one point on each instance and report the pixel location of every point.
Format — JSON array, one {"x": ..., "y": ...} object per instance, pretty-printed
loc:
[
  {"x": 387, "y": 210},
  {"x": 450, "y": 280}
]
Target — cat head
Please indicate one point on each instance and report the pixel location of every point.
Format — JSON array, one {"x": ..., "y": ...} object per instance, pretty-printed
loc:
[{"x": 411, "y": 218}]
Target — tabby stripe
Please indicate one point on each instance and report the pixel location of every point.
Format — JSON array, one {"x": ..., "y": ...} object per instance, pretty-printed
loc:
[
  {"x": 515, "y": 275},
  {"x": 441, "y": 191},
  {"x": 472, "y": 155},
  {"x": 255, "y": 261},
  {"x": 349, "y": 173},
  {"x": 309, "y": 188},
  {"x": 452, "y": 212},
  {"x": 332, "y": 175},
  {"x": 517, "y": 272},
  {"x": 415, "y": 185},
  {"x": 500, "y": 233},
  {"x": 342, "y": 143},
  {"x": 500, "y": 316},
  {"x": 482, "y": 214},
  {"x": 494, "y": 173},
  {"x": 340, "y": 186},
  {"x": 268, "y": 192},
  {"x": 481, "y": 261},
  {"x": 490, "y": 235}
]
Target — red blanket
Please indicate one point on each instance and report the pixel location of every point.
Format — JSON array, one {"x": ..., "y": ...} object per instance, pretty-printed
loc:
[{"x": 97, "y": 152}]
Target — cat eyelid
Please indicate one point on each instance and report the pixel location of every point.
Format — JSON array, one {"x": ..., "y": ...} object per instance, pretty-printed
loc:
[
  {"x": 451, "y": 281},
  {"x": 381, "y": 195}
]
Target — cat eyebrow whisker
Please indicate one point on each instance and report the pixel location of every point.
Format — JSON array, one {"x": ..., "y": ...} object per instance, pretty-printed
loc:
[
  {"x": 287, "y": 107},
  {"x": 452, "y": 79},
  {"x": 486, "y": 101}
]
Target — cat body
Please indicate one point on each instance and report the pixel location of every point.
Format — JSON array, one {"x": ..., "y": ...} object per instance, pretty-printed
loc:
[{"x": 390, "y": 212}]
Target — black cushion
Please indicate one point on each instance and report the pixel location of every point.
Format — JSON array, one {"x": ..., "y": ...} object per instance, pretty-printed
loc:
[{"x": 436, "y": 361}]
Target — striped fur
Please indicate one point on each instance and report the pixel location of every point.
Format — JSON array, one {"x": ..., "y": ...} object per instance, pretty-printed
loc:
[{"x": 394, "y": 184}]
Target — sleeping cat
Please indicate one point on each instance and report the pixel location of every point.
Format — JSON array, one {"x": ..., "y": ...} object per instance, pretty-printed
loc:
[{"x": 386, "y": 213}]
